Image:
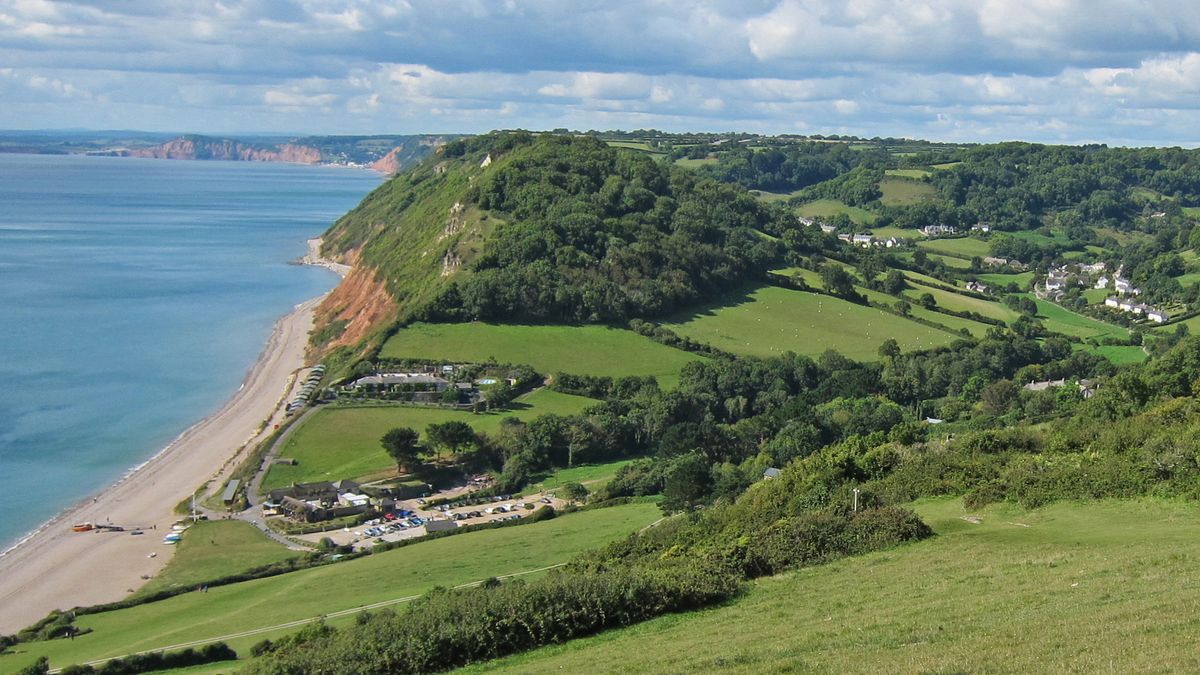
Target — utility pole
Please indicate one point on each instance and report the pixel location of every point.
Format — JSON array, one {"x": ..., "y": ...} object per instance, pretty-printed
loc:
[{"x": 856, "y": 500}]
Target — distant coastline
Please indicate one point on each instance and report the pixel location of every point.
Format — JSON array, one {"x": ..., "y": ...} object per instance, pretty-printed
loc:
[{"x": 386, "y": 154}]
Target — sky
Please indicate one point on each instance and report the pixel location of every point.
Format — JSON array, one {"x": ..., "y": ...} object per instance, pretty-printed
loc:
[{"x": 1121, "y": 72}]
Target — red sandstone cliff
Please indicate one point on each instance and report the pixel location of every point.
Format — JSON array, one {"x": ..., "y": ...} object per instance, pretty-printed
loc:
[{"x": 225, "y": 149}]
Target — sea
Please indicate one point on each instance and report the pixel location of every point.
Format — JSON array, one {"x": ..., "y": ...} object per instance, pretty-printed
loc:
[{"x": 135, "y": 295}]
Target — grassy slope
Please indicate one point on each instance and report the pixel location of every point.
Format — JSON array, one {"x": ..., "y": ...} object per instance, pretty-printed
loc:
[
  {"x": 831, "y": 207},
  {"x": 962, "y": 247},
  {"x": 580, "y": 350},
  {"x": 1064, "y": 321},
  {"x": 904, "y": 191},
  {"x": 908, "y": 173},
  {"x": 212, "y": 549},
  {"x": 771, "y": 320},
  {"x": 591, "y": 475},
  {"x": 343, "y": 442},
  {"x": 955, "y": 323},
  {"x": 1073, "y": 587},
  {"x": 1118, "y": 354},
  {"x": 393, "y": 574},
  {"x": 962, "y": 303},
  {"x": 1022, "y": 279}
]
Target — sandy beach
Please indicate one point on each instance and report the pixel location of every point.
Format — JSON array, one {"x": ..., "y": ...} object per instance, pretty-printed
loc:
[{"x": 56, "y": 568}]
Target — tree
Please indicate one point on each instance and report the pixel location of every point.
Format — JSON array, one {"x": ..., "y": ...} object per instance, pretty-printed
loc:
[
  {"x": 890, "y": 349},
  {"x": 401, "y": 445},
  {"x": 455, "y": 436},
  {"x": 573, "y": 492},
  {"x": 688, "y": 484},
  {"x": 838, "y": 281},
  {"x": 500, "y": 395}
]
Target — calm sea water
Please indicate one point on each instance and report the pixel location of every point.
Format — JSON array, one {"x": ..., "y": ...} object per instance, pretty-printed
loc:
[{"x": 134, "y": 297}]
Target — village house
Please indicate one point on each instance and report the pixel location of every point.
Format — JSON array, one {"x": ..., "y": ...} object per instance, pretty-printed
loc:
[
  {"x": 938, "y": 230},
  {"x": 827, "y": 229},
  {"x": 978, "y": 287},
  {"x": 981, "y": 227},
  {"x": 864, "y": 240}
]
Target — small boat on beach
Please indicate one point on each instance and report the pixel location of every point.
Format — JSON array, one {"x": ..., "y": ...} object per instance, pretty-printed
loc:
[{"x": 83, "y": 527}]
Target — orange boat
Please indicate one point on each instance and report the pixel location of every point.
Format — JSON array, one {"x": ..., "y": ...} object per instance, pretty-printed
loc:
[{"x": 83, "y": 527}]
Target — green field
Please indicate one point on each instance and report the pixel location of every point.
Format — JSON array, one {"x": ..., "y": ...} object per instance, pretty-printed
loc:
[
  {"x": 1078, "y": 587},
  {"x": 945, "y": 166},
  {"x": 962, "y": 247},
  {"x": 580, "y": 350},
  {"x": 961, "y": 303},
  {"x": 309, "y": 593},
  {"x": 1001, "y": 280},
  {"x": 1189, "y": 279},
  {"x": 949, "y": 261},
  {"x": 774, "y": 196},
  {"x": 213, "y": 549},
  {"x": 1064, "y": 321},
  {"x": 908, "y": 173},
  {"x": 1095, "y": 296},
  {"x": 903, "y": 191},
  {"x": 831, "y": 207},
  {"x": 1118, "y": 354},
  {"x": 955, "y": 323},
  {"x": 1056, "y": 238},
  {"x": 771, "y": 320},
  {"x": 1191, "y": 211},
  {"x": 590, "y": 475},
  {"x": 338, "y": 442},
  {"x": 694, "y": 163},
  {"x": 898, "y": 232}
]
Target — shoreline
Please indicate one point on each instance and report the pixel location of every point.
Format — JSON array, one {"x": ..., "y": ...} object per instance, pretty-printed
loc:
[{"x": 53, "y": 567}]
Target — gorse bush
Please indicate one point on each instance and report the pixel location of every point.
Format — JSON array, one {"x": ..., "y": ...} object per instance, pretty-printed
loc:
[{"x": 450, "y": 628}]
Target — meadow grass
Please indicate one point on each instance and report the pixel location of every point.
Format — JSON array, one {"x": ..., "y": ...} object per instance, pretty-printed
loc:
[
  {"x": 1118, "y": 354},
  {"x": 976, "y": 328},
  {"x": 961, "y": 303},
  {"x": 1189, "y": 279},
  {"x": 945, "y": 166},
  {"x": 1022, "y": 279},
  {"x": 1061, "y": 320},
  {"x": 1079, "y": 587},
  {"x": 904, "y": 191},
  {"x": 695, "y": 163},
  {"x": 908, "y": 173},
  {"x": 1095, "y": 296},
  {"x": 1191, "y": 211},
  {"x": 337, "y": 442},
  {"x": 591, "y": 476},
  {"x": 962, "y": 247},
  {"x": 950, "y": 261},
  {"x": 1057, "y": 238},
  {"x": 312, "y": 592},
  {"x": 216, "y": 548},
  {"x": 767, "y": 321},
  {"x": 579, "y": 350},
  {"x": 824, "y": 208}
]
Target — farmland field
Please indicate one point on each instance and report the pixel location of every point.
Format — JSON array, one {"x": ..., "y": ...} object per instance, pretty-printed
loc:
[
  {"x": 769, "y": 321},
  {"x": 1118, "y": 354},
  {"x": 338, "y": 442},
  {"x": 694, "y": 163},
  {"x": 1191, "y": 211},
  {"x": 580, "y": 350},
  {"x": 963, "y": 247},
  {"x": 1067, "y": 322},
  {"x": 954, "y": 323},
  {"x": 908, "y": 173},
  {"x": 590, "y": 475},
  {"x": 903, "y": 191},
  {"x": 944, "y": 167},
  {"x": 949, "y": 261},
  {"x": 962, "y": 303},
  {"x": 1079, "y": 587},
  {"x": 313, "y": 592},
  {"x": 831, "y": 207},
  {"x": 213, "y": 549},
  {"x": 1022, "y": 279}
]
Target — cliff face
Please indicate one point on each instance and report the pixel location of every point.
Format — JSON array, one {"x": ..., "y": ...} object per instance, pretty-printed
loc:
[
  {"x": 359, "y": 304},
  {"x": 391, "y": 162},
  {"x": 230, "y": 150}
]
